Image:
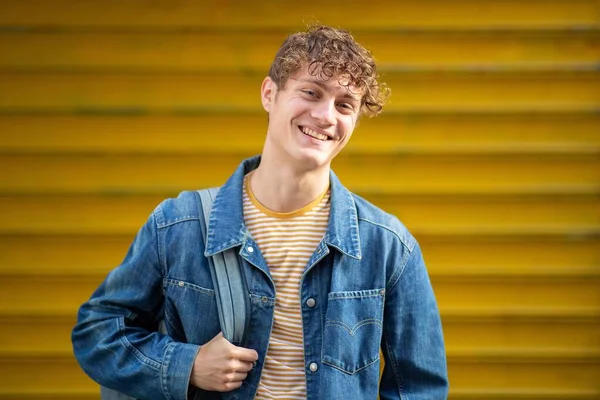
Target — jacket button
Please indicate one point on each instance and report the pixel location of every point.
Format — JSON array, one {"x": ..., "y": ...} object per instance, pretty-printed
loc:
[
  {"x": 313, "y": 367},
  {"x": 181, "y": 284},
  {"x": 311, "y": 302},
  {"x": 264, "y": 299},
  {"x": 250, "y": 249}
]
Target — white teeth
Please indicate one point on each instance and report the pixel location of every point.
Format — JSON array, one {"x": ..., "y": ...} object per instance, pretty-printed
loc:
[{"x": 314, "y": 134}]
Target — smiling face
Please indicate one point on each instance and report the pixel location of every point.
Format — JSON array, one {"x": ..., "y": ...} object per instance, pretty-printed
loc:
[{"x": 310, "y": 119}]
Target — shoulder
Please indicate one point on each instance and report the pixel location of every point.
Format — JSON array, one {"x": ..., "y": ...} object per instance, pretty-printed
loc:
[
  {"x": 377, "y": 220},
  {"x": 182, "y": 208}
]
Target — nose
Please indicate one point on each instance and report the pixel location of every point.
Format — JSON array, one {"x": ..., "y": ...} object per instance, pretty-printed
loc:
[{"x": 324, "y": 111}]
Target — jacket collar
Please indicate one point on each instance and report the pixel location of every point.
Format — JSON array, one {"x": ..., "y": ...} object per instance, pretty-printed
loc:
[{"x": 226, "y": 228}]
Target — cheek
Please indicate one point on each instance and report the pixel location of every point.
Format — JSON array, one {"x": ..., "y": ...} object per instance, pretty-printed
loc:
[{"x": 348, "y": 126}]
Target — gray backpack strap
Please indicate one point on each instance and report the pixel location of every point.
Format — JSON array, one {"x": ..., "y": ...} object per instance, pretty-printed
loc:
[{"x": 228, "y": 280}]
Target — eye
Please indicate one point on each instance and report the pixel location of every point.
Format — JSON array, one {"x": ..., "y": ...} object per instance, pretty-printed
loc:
[
  {"x": 309, "y": 92},
  {"x": 346, "y": 107}
]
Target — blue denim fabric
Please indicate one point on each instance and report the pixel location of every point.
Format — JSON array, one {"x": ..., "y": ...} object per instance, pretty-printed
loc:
[{"x": 367, "y": 277}]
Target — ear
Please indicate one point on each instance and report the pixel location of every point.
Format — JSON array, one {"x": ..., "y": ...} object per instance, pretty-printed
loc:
[{"x": 267, "y": 93}]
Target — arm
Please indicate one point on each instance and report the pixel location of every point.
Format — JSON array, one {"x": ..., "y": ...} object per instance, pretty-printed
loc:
[
  {"x": 413, "y": 343},
  {"x": 115, "y": 339}
]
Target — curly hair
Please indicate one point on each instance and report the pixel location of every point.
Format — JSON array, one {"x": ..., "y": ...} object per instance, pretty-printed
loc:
[{"x": 330, "y": 52}]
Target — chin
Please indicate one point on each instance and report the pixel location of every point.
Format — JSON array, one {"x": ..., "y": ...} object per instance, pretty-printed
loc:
[{"x": 313, "y": 161}]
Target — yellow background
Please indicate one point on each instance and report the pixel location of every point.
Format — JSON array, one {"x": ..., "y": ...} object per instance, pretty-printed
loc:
[{"x": 489, "y": 152}]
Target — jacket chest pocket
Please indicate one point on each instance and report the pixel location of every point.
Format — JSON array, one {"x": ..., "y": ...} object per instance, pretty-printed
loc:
[
  {"x": 353, "y": 328},
  {"x": 190, "y": 311}
]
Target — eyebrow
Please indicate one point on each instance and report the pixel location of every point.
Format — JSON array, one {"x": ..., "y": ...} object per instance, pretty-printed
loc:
[{"x": 322, "y": 85}]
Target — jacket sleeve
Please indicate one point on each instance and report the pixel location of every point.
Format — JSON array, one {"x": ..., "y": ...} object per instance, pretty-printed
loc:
[
  {"x": 116, "y": 341},
  {"x": 413, "y": 343}
]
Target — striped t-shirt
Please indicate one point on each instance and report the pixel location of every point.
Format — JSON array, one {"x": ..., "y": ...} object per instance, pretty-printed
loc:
[{"x": 286, "y": 241}]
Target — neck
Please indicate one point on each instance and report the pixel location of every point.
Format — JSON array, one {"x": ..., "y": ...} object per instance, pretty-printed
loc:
[{"x": 282, "y": 187}]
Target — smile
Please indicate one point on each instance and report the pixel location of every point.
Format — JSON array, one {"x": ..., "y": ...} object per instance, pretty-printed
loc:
[{"x": 316, "y": 135}]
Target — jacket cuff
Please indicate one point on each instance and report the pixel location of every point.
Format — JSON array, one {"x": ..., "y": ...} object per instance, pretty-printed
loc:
[{"x": 177, "y": 369}]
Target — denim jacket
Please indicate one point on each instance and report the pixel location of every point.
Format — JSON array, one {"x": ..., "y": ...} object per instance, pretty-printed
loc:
[{"x": 367, "y": 282}]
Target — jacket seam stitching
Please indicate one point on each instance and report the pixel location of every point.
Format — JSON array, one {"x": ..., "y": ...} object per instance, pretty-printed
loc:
[
  {"x": 395, "y": 368},
  {"x": 175, "y": 282},
  {"x": 394, "y": 280},
  {"x": 356, "y": 294},
  {"x": 155, "y": 365},
  {"x": 185, "y": 218},
  {"x": 159, "y": 215},
  {"x": 403, "y": 241},
  {"x": 163, "y": 371},
  {"x": 369, "y": 363},
  {"x": 356, "y": 229},
  {"x": 160, "y": 250}
]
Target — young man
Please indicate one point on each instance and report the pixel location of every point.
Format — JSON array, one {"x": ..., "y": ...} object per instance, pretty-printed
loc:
[{"x": 332, "y": 279}]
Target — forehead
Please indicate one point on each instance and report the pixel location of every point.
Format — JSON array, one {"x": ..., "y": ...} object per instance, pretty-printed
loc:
[{"x": 336, "y": 84}]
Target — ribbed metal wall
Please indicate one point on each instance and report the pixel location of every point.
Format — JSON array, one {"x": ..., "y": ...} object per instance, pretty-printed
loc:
[{"x": 489, "y": 152}]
